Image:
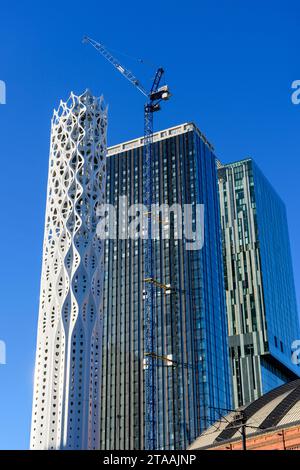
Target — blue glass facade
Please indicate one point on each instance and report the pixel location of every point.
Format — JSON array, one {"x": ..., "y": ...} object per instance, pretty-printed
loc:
[
  {"x": 277, "y": 271},
  {"x": 191, "y": 326},
  {"x": 272, "y": 375},
  {"x": 260, "y": 293}
]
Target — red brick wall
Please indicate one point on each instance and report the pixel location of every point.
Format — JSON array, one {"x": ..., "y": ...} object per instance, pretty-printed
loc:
[{"x": 283, "y": 439}]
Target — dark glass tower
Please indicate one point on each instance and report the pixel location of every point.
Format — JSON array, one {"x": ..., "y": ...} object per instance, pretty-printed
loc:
[
  {"x": 260, "y": 293},
  {"x": 192, "y": 376}
]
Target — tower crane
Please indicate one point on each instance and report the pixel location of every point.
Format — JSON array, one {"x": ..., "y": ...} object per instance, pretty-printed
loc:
[{"x": 156, "y": 94}]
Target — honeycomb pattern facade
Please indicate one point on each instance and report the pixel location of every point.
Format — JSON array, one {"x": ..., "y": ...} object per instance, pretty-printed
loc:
[{"x": 66, "y": 401}]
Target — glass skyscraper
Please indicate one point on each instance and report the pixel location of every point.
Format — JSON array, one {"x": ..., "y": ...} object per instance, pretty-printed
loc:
[
  {"x": 191, "y": 327},
  {"x": 260, "y": 292}
]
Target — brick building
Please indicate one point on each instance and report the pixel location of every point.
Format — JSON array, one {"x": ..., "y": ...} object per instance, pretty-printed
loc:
[{"x": 271, "y": 423}]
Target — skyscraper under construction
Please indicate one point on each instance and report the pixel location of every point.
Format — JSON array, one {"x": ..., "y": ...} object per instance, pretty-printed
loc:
[{"x": 192, "y": 369}]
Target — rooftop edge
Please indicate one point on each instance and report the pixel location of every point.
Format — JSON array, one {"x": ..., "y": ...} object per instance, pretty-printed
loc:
[{"x": 158, "y": 136}]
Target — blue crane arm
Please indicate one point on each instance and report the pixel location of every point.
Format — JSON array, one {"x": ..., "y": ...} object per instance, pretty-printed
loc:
[
  {"x": 157, "y": 79},
  {"x": 108, "y": 56}
]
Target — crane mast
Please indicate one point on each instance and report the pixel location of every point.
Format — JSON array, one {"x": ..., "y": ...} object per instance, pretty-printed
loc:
[{"x": 154, "y": 97}]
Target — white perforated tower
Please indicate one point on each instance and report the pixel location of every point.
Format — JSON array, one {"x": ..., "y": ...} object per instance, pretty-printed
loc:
[{"x": 66, "y": 402}]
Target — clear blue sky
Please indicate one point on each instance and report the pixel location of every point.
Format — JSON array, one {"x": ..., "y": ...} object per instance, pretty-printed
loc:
[{"x": 230, "y": 65}]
